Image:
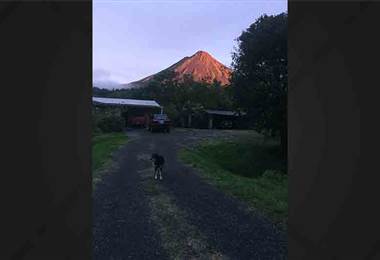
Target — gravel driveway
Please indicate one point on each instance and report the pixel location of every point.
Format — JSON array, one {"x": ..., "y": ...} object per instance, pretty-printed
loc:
[{"x": 180, "y": 217}]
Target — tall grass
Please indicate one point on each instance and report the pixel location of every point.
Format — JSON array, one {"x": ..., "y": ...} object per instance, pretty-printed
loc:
[
  {"x": 103, "y": 146},
  {"x": 247, "y": 169}
]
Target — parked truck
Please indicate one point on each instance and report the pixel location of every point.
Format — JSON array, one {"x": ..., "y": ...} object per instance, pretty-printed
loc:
[{"x": 159, "y": 122}]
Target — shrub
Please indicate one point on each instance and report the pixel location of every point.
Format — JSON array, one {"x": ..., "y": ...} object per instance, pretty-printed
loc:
[{"x": 111, "y": 123}]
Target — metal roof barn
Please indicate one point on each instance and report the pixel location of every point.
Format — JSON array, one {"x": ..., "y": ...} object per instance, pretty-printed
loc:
[
  {"x": 224, "y": 113},
  {"x": 125, "y": 102},
  {"x": 136, "y": 112}
]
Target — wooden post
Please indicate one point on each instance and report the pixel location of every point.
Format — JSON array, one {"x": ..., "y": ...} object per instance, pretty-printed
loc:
[
  {"x": 182, "y": 120},
  {"x": 189, "y": 120},
  {"x": 210, "y": 121}
]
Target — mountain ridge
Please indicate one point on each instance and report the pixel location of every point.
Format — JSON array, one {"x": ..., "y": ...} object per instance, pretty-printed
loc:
[{"x": 201, "y": 66}]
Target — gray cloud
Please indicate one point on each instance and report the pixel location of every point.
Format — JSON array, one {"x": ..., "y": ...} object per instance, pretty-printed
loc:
[{"x": 106, "y": 79}]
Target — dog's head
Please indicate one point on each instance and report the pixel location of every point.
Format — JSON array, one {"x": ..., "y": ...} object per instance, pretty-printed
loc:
[{"x": 154, "y": 156}]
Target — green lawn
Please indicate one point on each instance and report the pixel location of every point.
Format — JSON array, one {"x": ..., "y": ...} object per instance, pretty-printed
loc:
[
  {"x": 103, "y": 145},
  {"x": 249, "y": 169}
]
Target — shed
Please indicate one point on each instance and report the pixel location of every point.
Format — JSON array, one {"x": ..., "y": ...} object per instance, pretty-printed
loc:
[
  {"x": 222, "y": 118},
  {"x": 125, "y": 102},
  {"x": 215, "y": 119},
  {"x": 135, "y": 111}
]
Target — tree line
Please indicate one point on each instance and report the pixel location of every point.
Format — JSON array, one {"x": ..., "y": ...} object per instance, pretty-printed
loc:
[{"x": 179, "y": 98}]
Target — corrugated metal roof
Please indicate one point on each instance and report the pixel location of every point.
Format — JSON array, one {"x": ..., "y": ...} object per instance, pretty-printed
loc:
[
  {"x": 127, "y": 102},
  {"x": 223, "y": 112}
]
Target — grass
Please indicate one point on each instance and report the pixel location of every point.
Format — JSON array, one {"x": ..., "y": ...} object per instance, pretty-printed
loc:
[
  {"x": 103, "y": 146},
  {"x": 249, "y": 169}
]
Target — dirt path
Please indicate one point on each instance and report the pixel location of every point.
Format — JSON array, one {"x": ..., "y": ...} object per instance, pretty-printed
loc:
[{"x": 181, "y": 217}]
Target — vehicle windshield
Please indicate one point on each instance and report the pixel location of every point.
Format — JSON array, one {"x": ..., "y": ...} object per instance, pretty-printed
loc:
[{"x": 160, "y": 117}]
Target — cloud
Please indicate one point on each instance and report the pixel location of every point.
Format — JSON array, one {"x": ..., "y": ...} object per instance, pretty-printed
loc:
[
  {"x": 106, "y": 84},
  {"x": 106, "y": 79}
]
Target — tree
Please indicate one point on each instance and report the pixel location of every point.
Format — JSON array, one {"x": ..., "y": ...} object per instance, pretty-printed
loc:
[{"x": 260, "y": 75}]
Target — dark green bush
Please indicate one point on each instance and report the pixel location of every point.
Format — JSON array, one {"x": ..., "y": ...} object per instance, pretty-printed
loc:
[
  {"x": 111, "y": 123},
  {"x": 107, "y": 119}
]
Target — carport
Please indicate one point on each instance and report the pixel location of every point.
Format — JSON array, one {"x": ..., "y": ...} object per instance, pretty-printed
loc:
[
  {"x": 135, "y": 111},
  {"x": 216, "y": 118}
]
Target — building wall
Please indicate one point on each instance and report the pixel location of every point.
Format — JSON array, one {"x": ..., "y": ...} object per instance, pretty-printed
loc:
[{"x": 46, "y": 47}]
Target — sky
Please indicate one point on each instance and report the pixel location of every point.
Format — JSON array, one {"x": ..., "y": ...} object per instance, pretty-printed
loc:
[{"x": 133, "y": 39}]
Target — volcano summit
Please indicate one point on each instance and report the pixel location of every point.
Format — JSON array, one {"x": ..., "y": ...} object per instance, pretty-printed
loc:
[{"x": 201, "y": 66}]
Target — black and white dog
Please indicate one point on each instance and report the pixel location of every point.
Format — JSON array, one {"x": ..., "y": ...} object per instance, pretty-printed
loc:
[{"x": 158, "y": 162}]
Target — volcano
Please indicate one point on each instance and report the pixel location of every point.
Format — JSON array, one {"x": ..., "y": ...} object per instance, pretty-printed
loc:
[{"x": 201, "y": 66}]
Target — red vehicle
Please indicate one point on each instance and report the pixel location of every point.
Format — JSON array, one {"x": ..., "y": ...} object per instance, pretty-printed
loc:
[
  {"x": 138, "y": 121},
  {"x": 159, "y": 122}
]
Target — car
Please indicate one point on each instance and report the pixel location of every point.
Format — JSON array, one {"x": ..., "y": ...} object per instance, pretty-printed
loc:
[
  {"x": 136, "y": 121},
  {"x": 157, "y": 122},
  {"x": 226, "y": 124}
]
